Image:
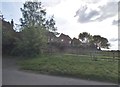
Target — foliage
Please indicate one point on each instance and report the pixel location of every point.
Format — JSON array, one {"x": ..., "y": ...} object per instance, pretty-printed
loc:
[
  {"x": 101, "y": 41},
  {"x": 8, "y": 37},
  {"x": 97, "y": 40},
  {"x": 32, "y": 42},
  {"x": 85, "y": 37},
  {"x": 33, "y": 14},
  {"x": 33, "y": 34},
  {"x": 49, "y": 24}
]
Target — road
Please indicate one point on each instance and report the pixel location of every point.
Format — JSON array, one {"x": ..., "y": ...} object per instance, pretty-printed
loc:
[{"x": 13, "y": 76}]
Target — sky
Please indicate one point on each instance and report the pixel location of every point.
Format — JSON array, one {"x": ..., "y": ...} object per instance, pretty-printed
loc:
[{"x": 97, "y": 17}]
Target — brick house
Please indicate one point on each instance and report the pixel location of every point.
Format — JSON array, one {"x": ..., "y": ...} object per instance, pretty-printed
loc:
[
  {"x": 75, "y": 42},
  {"x": 51, "y": 37},
  {"x": 64, "y": 39}
]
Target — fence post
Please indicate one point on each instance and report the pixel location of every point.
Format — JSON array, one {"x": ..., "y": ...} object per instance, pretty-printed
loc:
[
  {"x": 113, "y": 56},
  {"x": 93, "y": 55}
]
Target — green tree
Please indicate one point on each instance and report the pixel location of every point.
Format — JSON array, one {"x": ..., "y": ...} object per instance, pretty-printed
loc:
[
  {"x": 85, "y": 37},
  {"x": 49, "y": 24},
  {"x": 32, "y": 36},
  {"x": 8, "y": 36},
  {"x": 33, "y": 14},
  {"x": 31, "y": 42},
  {"x": 101, "y": 42},
  {"x": 96, "y": 40}
]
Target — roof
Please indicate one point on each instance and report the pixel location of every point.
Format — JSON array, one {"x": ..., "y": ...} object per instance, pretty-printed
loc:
[
  {"x": 63, "y": 36},
  {"x": 51, "y": 34}
]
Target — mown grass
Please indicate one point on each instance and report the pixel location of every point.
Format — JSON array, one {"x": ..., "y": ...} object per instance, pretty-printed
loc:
[{"x": 73, "y": 66}]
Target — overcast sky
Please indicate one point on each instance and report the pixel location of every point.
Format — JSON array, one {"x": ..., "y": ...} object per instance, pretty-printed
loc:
[{"x": 97, "y": 17}]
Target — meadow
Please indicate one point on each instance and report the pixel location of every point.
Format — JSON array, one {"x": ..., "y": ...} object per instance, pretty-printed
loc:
[{"x": 72, "y": 65}]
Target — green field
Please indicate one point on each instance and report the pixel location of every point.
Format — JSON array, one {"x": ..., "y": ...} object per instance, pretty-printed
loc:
[{"x": 78, "y": 66}]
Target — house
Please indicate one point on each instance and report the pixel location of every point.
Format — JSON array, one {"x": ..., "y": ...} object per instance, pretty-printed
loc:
[
  {"x": 75, "y": 42},
  {"x": 64, "y": 40},
  {"x": 52, "y": 37},
  {"x": 7, "y": 26}
]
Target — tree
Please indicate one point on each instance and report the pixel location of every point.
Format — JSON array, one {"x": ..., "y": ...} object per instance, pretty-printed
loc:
[
  {"x": 100, "y": 42},
  {"x": 97, "y": 40},
  {"x": 104, "y": 43},
  {"x": 32, "y": 42},
  {"x": 85, "y": 37},
  {"x": 8, "y": 36},
  {"x": 32, "y": 39},
  {"x": 33, "y": 14},
  {"x": 49, "y": 24}
]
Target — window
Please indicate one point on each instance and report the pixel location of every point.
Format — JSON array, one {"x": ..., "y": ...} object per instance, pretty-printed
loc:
[
  {"x": 51, "y": 39},
  {"x": 69, "y": 42},
  {"x": 62, "y": 40}
]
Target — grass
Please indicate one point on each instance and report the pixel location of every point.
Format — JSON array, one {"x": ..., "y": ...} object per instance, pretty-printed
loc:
[{"x": 73, "y": 66}]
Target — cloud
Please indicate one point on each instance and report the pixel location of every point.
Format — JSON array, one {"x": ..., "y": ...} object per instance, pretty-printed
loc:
[
  {"x": 116, "y": 22},
  {"x": 60, "y": 21},
  {"x": 108, "y": 10},
  {"x": 50, "y": 3},
  {"x": 114, "y": 39},
  {"x": 105, "y": 11},
  {"x": 85, "y": 17},
  {"x": 93, "y": 1}
]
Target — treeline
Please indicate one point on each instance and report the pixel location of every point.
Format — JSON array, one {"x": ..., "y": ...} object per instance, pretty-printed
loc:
[{"x": 97, "y": 40}]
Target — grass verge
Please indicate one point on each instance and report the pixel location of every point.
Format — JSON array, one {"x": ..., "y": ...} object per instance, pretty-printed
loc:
[{"x": 73, "y": 66}]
